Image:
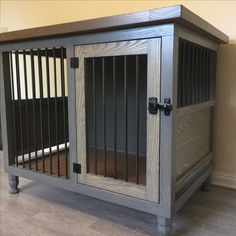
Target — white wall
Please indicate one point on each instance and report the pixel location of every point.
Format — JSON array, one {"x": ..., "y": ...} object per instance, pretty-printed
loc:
[{"x": 25, "y": 14}]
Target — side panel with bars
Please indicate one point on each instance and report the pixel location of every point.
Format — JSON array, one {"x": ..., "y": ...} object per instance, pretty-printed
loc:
[
  {"x": 196, "y": 73},
  {"x": 39, "y": 103}
]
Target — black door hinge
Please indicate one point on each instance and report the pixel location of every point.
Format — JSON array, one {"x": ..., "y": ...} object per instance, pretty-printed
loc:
[
  {"x": 74, "y": 62},
  {"x": 76, "y": 168}
]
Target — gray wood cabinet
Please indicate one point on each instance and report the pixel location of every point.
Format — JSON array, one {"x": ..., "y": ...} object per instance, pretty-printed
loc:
[{"x": 118, "y": 108}]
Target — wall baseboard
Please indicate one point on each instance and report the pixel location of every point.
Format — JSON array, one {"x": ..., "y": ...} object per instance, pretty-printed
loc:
[{"x": 224, "y": 179}]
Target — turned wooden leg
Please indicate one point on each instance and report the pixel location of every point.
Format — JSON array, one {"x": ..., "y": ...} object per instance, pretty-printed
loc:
[
  {"x": 206, "y": 185},
  {"x": 163, "y": 226},
  {"x": 13, "y": 184}
]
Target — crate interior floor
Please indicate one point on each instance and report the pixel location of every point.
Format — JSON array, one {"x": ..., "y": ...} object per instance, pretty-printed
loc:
[{"x": 100, "y": 165}]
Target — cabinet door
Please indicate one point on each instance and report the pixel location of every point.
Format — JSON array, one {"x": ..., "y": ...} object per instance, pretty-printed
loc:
[{"x": 117, "y": 137}]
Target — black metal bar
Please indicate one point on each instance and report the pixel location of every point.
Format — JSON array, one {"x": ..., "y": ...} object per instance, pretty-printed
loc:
[
  {"x": 204, "y": 76},
  {"x": 34, "y": 113},
  {"x": 64, "y": 108},
  {"x": 104, "y": 116},
  {"x": 115, "y": 122},
  {"x": 26, "y": 107},
  {"x": 40, "y": 74},
  {"x": 125, "y": 117},
  {"x": 207, "y": 73},
  {"x": 48, "y": 109},
  {"x": 188, "y": 90},
  {"x": 87, "y": 105},
  {"x": 180, "y": 74},
  {"x": 94, "y": 118},
  {"x": 13, "y": 108},
  {"x": 20, "y": 106},
  {"x": 200, "y": 73},
  {"x": 184, "y": 84},
  {"x": 137, "y": 118},
  {"x": 56, "y": 112},
  {"x": 182, "y": 79},
  {"x": 192, "y": 95},
  {"x": 197, "y": 76}
]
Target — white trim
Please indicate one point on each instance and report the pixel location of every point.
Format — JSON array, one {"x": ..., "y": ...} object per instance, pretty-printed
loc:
[{"x": 224, "y": 179}]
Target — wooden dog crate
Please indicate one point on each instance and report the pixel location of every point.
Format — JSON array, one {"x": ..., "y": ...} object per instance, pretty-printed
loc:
[{"x": 118, "y": 108}]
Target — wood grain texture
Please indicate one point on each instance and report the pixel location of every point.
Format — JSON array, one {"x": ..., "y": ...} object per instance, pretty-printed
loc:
[
  {"x": 193, "y": 139},
  {"x": 80, "y": 114},
  {"x": 170, "y": 14},
  {"x": 151, "y": 47},
  {"x": 153, "y": 121},
  {"x": 49, "y": 211}
]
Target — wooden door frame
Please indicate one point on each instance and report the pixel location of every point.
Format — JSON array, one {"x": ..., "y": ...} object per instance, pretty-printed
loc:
[{"x": 152, "y": 48}]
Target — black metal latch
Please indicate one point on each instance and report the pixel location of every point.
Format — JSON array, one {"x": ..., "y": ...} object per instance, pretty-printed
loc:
[
  {"x": 74, "y": 62},
  {"x": 76, "y": 168},
  {"x": 153, "y": 106}
]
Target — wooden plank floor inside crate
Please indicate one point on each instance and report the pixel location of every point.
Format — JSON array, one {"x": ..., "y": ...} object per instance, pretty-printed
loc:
[{"x": 100, "y": 165}]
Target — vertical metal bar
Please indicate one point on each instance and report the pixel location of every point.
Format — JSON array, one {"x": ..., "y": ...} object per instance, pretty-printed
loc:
[
  {"x": 137, "y": 118},
  {"x": 13, "y": 107},
  {"x": 180, "y": 74},
  {"x": 26, "y": 107},
  {"x": 207, "y": 74},
  {"x": 114, "y": 108},
  {"x": 104, "y": 116},
  {"x": 34, "y": 113},
  {"x": 48, "y": 101},
  {"x": 56, "y": 112},
  {"x": 86, "y": 85},
  {"x": 185, "y": 77},
  {"x": 200, "y": 74},
  {"x": 188, "y": 90},
  {"x": 192, "y": 95},
  {"x": 197, "y": 76},
  {"x": 40, "y": 73},
  {"x": 182, "y": 48},
  {"x": 204, "y": 74},
  {"x": 94, "y": 118},
  {"x": 20, "y": 105},
  {"x": 64, "y": 108},
  {"x": 125, "y": 117}
]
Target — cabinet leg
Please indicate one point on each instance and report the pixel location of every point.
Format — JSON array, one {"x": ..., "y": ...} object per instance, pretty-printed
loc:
[
  {"x": 13, "y": 184},
  {"x": 206, "y": 185},
  {"x": 163, "y": 226}
]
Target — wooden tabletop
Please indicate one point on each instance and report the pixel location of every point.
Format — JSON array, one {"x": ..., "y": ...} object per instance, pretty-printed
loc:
[{"x": 173, "y": 14}]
